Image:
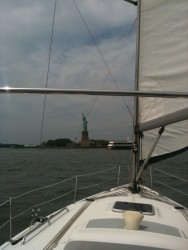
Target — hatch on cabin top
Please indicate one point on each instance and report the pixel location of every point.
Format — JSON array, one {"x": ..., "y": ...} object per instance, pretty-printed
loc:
[{"x": 121, "y": 206}]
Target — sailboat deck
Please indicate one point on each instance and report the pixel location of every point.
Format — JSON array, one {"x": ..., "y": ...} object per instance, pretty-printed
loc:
[{"x": 92, "y": 223}]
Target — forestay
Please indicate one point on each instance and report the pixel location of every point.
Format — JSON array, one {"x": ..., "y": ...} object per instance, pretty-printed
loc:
[{"x": 163, "y": 66}]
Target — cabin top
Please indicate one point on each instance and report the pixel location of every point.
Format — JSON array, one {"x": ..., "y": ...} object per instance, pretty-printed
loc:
[{"x": 98, "y": 223}]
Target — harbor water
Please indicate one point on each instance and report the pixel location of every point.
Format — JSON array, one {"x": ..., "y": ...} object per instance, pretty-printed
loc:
[{"x": 23, "y": 170}]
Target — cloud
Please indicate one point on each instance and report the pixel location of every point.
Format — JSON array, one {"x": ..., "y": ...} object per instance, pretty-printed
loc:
[{"x": 76, "y": 62}]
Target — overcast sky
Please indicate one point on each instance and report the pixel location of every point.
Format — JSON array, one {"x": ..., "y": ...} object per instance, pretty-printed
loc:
[{"x": 76, "y": 62}]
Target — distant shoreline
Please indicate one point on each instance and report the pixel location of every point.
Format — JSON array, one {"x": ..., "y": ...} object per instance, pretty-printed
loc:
[
  {"x": 37, "y": 147},
  {"x": 57, "y": 144}
]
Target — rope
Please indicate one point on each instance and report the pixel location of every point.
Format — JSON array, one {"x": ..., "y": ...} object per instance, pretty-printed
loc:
[
  {"x": 54, "y": 184},
  {"x": 4, "y": 224},
  {"x": 172, "y": 188},
  {"x": 83, "y": 175},
  {"x": 53, "y": 243},
  {"x": 98, "y": 184},
  {"x": 56, "y": 198},
  {"x": 41, "y": 204},
  {"x": 117, "y": 193},
  {"x": 150, "y": 194},
  {"x": 171, "y": 175},
  {"x": 37, "y": 189},
  {"x": 2, "y": 204}
]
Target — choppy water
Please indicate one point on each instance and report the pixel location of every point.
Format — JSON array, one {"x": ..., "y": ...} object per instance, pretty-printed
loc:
[{"x": 26, "y": 169}]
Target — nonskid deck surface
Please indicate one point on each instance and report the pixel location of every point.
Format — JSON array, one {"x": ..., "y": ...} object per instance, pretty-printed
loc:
[{"x": 94, "y": 221}]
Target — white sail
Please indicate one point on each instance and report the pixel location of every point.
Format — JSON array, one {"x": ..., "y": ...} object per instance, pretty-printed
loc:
[{"x": 163, "y": 66}]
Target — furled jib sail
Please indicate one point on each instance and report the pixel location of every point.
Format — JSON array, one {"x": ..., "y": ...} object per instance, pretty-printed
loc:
[{"x": 163, "y": 66}]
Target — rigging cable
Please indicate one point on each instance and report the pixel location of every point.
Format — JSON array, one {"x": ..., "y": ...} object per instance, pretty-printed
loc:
[
  {"x": 48, "y": 70},
  {"x": 104, "y": 61},
  {"x": 100, "y": 53},
  {"x": 108, "y": 75},
  {"x": 46, "y": 84}
]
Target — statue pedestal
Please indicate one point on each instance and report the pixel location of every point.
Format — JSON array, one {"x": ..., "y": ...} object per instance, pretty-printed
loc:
[{"x": 85, "y": 139}]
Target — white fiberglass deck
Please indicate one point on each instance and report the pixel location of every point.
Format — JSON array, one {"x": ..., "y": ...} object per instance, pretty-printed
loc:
[{"x": 93, "y": 224}]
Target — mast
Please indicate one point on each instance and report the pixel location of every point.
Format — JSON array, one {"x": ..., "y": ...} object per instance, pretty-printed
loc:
[{"x": 136, "y": 137}]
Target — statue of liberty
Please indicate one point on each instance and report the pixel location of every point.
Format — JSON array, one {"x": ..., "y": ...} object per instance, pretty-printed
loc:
[{"x": 85, "y": 122}]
